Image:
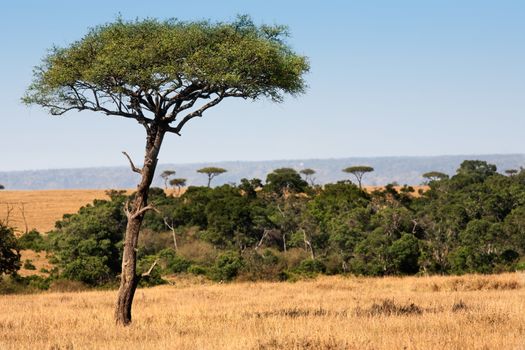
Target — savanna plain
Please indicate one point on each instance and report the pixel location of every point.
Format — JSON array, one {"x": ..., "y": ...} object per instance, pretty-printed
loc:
[{"x": 466, "y": 312}]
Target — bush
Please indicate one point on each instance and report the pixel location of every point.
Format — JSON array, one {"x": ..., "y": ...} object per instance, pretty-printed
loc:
[
  {"x": 153, "y": 278},
  {"x": 405, "y": 255},
  {"x": 91, "y": 270},
  {"x": 172, "y": 262},
  {"x": 226, "y": 267},
  {"x": 9, "y": 251},
  {"x": 198, "y": 270},
  {"x": 310, "y": 267},
  {"x": 265, "y": 265},
  {"x": 32, "y": 240}
]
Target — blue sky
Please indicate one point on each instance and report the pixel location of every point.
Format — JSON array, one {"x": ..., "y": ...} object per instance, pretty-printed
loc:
[{"x": 387, "y": 78}]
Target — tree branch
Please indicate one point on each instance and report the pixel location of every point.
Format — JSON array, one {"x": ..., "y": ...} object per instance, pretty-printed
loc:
[
  {"x": 143, "y": 210},
  {"x": 146, "y": 274},
  {"x": 133, "y": 167},
  {"x": 196, "y": 113}
]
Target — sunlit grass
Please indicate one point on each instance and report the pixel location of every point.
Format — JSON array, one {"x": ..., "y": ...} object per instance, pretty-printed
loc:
[{"x": 470, "y": 312}]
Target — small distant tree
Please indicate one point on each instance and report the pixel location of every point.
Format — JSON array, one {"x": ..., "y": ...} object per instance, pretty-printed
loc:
[
  {"x": 509, "y": 172},
  {"x": 359, "y": 171},
  {"x": 178, "y": 183},
  {"x": 166, "y": 174},
  {"x": 212, "y": 172},
  {"x": 308, "y": 175},
  {"x": 2, "y": 187},
  {"x": 9, "y": 251},
  {"x": 285, "y": 180},
  {"x": 435, "y": 176}
]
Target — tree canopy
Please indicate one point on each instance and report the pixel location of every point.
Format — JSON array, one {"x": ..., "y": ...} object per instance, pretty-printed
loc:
[
  {"x": 152, "y": 70},
  {"x": 284, "y": 180},
  {"x": 435, "y": 176},
  {"x": 211, "y": 172},
  {"x": 358, "y": 171}
]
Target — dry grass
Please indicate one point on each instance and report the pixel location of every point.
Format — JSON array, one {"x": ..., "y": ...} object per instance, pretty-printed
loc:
[
  {"x": 43, "y": 208},
  {"x": 38, "y": 259},
  {"x": 417, "y": 189},
  {"x": 327, "y": 313}
]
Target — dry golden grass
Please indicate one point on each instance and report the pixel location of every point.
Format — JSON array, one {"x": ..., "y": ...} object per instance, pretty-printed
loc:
[
  {"x": 43, "y": 208},
  {"x": 38, "y": 259},
  {"x": 416, "y": 193},
  {"x": 471, "y": 312}
]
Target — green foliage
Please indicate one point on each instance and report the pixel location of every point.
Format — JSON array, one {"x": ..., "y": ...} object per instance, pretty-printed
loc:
[
  {"x": 9, "y": 251},
  {"x": 472, "y": 222},
  {"x": 253, "y": 60},
  {"x": 87, "y": 244},
  {"x": 150, "y": 271},
  {"x": 32, "y": 240},
  {"x": 285, "y": 180},
  {"x": 310, "y": 267},
  {"x": 358, "y": 171},
  {"x": 226, "y": 267},
  {"x": 173, "y": 263},
  {"x": 435, "y": 176},
  {"x": 197, "y": 270},
  {"x": 404, "y": 254}
]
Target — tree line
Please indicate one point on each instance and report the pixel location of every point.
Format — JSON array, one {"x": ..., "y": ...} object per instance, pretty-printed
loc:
[{"x": 284, "y": 228}]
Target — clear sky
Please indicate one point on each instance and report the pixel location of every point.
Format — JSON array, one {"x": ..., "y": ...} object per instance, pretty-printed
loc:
[{"x": 387, "y": 77}]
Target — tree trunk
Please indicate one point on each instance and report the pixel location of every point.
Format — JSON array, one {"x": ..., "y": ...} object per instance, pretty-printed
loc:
[{"x": 129, "y": 278}]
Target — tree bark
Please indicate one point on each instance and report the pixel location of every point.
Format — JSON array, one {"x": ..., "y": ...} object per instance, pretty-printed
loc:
[{"x": 129, "y": 278}]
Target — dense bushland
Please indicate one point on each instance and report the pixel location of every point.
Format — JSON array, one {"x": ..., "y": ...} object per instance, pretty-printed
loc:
[{"x": 472, "y": 222}]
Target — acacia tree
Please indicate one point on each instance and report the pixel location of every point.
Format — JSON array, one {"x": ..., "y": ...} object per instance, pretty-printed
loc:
[
  {"x": 211, "y": 172},
  {"x": 162, "y": 74},
  {"x": 435, "y": 176},
  {"x": 178, "y": 183},
  {"x": 2, "y": 187},
  {"x": 359, "y": 171},
  {"x": 308, "y": 175},
  {"x": 166, "y": 174}
]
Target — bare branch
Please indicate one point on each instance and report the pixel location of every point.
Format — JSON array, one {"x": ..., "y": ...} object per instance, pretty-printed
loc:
[
  {"x": 143, "y": 210},
  {"x": 146, "y": 274},
  {"x": 172, "y": 228},
  {"x": 133, "y": 167}
]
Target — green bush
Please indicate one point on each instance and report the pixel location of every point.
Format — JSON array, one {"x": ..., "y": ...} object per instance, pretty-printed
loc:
[
  {"x": 172, "y": 262},
  {"x": 32, "y": 240},
  {"x": 91, "y": 270},
  {"x": 9, "y": 251},
  {"x": 198, "y": 270},
  {"x": 310, "y": 267},
  {"x": 226, "y": 267},
  {"x": 154, "y": 278}
]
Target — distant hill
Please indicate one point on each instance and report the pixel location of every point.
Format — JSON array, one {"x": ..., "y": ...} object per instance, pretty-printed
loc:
[{"x": 403, "y": 170}]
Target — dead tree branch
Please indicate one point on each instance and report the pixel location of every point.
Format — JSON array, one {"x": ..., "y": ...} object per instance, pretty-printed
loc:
[{"x": 133, "y": 167}]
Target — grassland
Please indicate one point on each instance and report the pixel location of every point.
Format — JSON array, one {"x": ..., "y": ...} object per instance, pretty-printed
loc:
[
  {"x": 470, "y": 312},
  {"x": 43, "y": 208}
]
